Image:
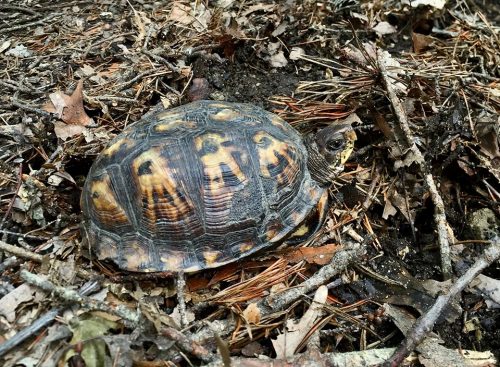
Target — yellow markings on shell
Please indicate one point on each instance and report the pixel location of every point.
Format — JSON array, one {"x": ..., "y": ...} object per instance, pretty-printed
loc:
[
  {"x": 105, "y": 204},
  {"x": 115, "y": 147},
  {"x": 245, "y": 247},
  {"x": 271, "y": 234},
  {"x": 225, "y": 115},
  {"x": 301, "y": 231},
  {"x": 169, "y": 116},
  {"x": 159, "y": 181},
  {"x": 269, "y": 155},
  {"x": 173, "y": 262},
  {"x": 350, "y": 138},
  {"x": 322, "y": 204},
  {"x": 108, "y": 251},
  {"x": 222, "y": 155},
  {"x": 278, "y": 122},
  {"x": 171, "y": 125},
  {"x": 136, "y": 256},
  {"x": 211, "y": 257}
]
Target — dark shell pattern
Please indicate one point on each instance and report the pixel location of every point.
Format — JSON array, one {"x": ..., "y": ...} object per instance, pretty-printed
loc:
[{"x": 196, "y": 187}]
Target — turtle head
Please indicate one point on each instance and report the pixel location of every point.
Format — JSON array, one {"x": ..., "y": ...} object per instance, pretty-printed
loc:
[{"x": 328, "y": 151}]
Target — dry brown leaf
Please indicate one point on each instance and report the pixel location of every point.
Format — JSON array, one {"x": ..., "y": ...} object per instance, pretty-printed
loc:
[
  {"x": 224, "y": 273},
  {"x": 258, "y": 7},
  {"x": 487, "y": 132},
  {"x": 252, "y": 314},
  {"x": 393, "y": 200},
  {"x": 181, "y": 13},
  {"x": 198, "y": 18},
  {"x": 421, "y": 42},
  {"x": 489, "y": 288},
  {"x": 313, "y": 255},
  {"x": 111, "y": 70},
  {"x": 69, "y": 108},
  {"x": 64, "y": 131},
  {"x": 286, "y": 344},
  {"x": 10, "y": 302},
  {"x": 140, "y": 22},
  {"x": 389, "y": 209}
]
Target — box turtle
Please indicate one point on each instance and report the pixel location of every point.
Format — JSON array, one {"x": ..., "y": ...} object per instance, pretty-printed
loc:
[{"x": 206, "y": 184}]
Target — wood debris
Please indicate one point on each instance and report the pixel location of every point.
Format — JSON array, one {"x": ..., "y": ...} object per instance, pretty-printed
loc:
[{"x": 400, "y": 273}]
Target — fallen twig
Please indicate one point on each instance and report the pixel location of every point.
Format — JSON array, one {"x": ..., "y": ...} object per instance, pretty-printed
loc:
[
  {"x": 161, "y": 60},
  {"x": 439, "y": 211},
  {"x": 181, "y": 299},
  {"x": 340, "y": 261},
  {"x": 426, "y": 322},
  {"x": 314, "y": 358},
  {"x": 130, "y": 318},
  {"x": 188, "y": 345},
  {"x": 27, "y": 25},
  {"x": 277, "y": 302},
  {"x": 18, "y": 8},
  {"x": 144, "y": 74},
  {"x": 21, "y": 105},
  {"x": 20, "y": 252},
  {"x": 25, "y": 254},
  {"x": 43, "y": 321}
]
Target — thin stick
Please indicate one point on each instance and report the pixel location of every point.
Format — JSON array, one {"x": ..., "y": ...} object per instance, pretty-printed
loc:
[
  {"x": 181, "y": 299},
  {"x": 11, "y": 204},
  {"x": 187, "y": 345},
  {"x": 426, "y": 322},
  {"x": 275, "y": 303},
  {"x": 25, "y": 254},
  {"x": 42, "y": 321},
  {"x": 130, "y": 318},
  {"x": 439, "y": 211},
  {"x": 20, "y": 252},
  {"x": 26, "y": 25},
  {"x": 339, "y": 262}
]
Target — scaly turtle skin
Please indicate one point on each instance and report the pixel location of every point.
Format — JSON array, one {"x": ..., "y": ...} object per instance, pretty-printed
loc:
[{"x": 205, "y": 184}]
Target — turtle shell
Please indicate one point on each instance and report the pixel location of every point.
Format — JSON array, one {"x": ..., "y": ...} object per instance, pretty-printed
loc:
[{"x": 199, "y": 186}]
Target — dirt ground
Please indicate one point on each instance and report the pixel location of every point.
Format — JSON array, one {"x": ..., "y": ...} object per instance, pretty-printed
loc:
[{"x": 416, "y": 206}]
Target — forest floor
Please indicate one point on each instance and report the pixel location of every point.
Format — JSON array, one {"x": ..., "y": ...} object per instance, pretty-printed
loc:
[{"x": 417, "y": 206}]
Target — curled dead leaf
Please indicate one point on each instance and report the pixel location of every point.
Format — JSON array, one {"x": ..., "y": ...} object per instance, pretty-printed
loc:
[
  {"x": 10, "y": 302},
  {"x": 69, "y": 108},
  {"x": 421, "y": 42},
  {"x": 286, "y": 344},
  {"x": 317, "y": 255},
  {"x": 252, "y": 314}
]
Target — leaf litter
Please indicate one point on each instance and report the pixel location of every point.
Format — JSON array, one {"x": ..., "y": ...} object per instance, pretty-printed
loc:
[{"x": 312, "y": 63}]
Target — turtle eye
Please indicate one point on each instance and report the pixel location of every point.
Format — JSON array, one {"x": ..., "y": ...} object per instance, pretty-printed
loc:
[{"x": 334, "y": 145}]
